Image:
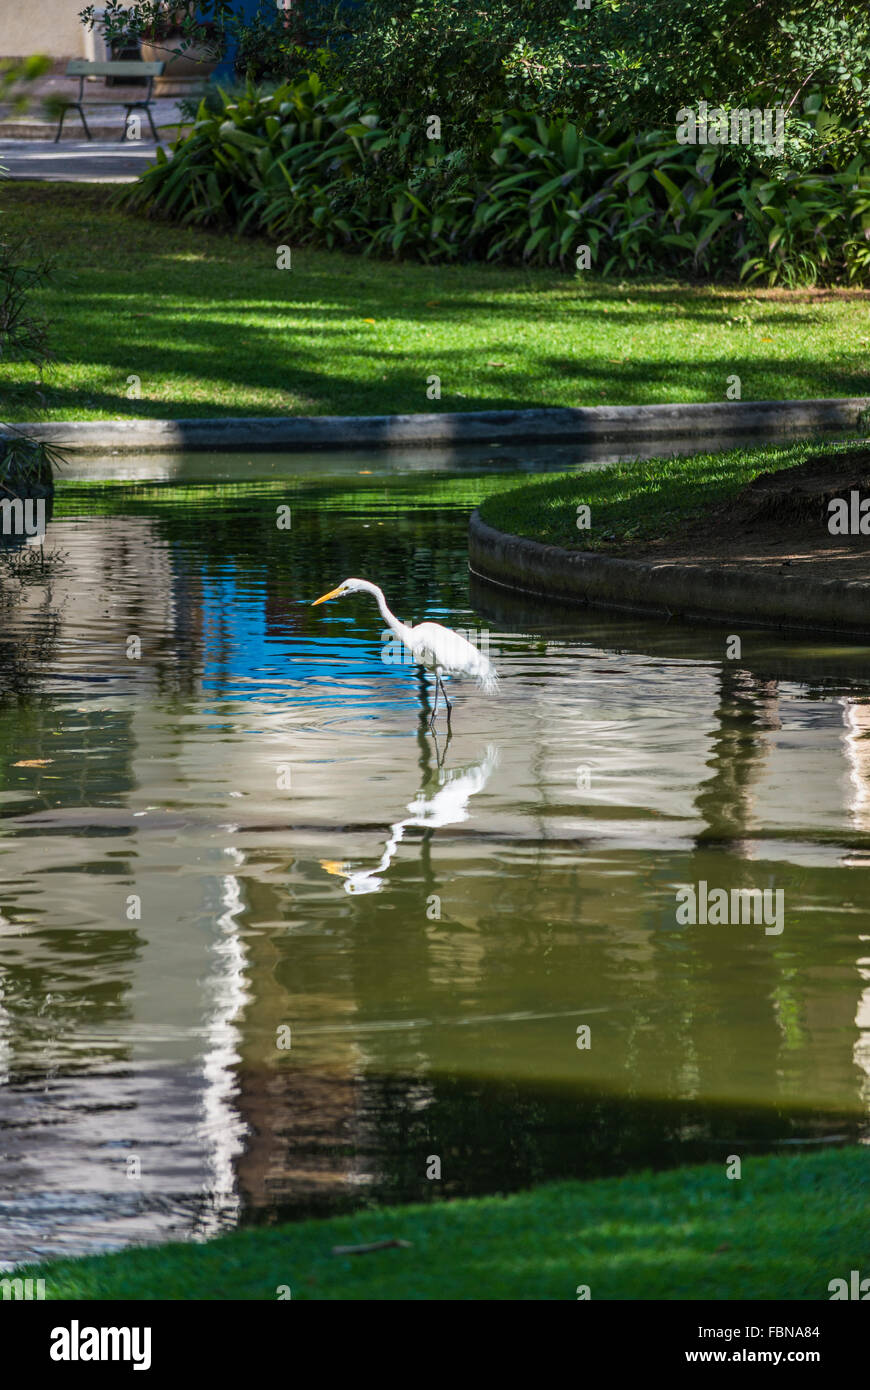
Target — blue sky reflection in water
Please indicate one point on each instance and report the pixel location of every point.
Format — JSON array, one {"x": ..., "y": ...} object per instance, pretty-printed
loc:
[{"x": 432, "y": 921}]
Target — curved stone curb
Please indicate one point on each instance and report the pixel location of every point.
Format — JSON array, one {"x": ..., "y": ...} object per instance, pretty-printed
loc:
[
  {"x": 667, "y": 588},
  {"x": 604, "y": 423}
]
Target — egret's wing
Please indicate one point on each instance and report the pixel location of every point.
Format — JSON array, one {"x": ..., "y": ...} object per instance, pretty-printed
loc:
[{"x": 441, "y": 646}]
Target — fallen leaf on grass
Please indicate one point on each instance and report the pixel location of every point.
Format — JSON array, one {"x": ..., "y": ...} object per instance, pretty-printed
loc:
[{"x": 496, "y": 364}]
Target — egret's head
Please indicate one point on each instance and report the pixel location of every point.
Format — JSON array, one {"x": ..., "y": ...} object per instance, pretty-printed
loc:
[{"x": 350, "y": 586}]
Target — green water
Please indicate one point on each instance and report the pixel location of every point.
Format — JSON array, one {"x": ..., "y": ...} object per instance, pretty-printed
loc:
[{"x": 245, "y": 837}]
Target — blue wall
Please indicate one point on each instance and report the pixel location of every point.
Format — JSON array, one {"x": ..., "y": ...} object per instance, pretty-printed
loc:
[{"x": 246, "y": 9}]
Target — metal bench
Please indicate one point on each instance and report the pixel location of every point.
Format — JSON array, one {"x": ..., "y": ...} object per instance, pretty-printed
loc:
[{"x": 82, "y": 68}]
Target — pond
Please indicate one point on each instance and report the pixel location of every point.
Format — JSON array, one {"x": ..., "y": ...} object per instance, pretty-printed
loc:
[{"x": 268, "y": 948}]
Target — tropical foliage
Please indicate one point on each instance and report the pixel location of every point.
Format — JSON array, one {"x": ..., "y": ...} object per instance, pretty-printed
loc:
[{"x": 307, "y": 164}]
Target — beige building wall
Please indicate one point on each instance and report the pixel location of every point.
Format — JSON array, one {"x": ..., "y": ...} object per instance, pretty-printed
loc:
[{"x": 52, "y": 27}]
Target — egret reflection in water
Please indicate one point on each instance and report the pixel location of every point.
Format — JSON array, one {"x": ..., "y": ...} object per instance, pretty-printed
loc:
[{"x": 442, "y": 800}]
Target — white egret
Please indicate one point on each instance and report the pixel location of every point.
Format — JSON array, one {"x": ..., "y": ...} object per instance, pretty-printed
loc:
[{"x": 435, "y": 647}]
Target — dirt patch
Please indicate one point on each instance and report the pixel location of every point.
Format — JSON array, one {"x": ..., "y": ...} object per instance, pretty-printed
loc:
[
  {"x": 808, "y": 294},
  {"x": 779, "y": 522}
]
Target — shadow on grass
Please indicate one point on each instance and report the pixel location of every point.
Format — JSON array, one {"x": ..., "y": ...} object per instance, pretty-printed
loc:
[{"x": 178, "y": 308}]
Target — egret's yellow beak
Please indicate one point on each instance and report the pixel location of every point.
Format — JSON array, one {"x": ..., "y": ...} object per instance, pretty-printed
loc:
[{"x": 333, "y": 593}]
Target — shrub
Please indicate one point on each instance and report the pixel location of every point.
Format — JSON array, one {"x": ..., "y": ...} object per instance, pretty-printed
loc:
[
  {"x": 309, "y": 164},
  {"x": 641, "y": 203},
  {"x": 810, "y": 227},
  {"x": 632, "y": 63},
  {"x": 271, "y": 163}
]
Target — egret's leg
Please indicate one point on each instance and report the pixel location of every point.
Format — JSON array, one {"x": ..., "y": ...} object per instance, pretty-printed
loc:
[
  {"x": 447, "y": 703},
  {"x": 438, "y": 753},
  {"x": 435, "y": 704}
]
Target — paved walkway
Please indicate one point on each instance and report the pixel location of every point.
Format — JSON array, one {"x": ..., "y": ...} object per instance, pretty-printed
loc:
[
  {"x": 77, "y": 161},
  {"x": 28, "y": 151}
]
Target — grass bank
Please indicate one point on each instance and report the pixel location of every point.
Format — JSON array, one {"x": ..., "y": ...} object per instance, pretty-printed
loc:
[
  {"x": 646, "y": 499},
  {"x": 210, "y": 327},
  {"x": 783, "y": 1230}
]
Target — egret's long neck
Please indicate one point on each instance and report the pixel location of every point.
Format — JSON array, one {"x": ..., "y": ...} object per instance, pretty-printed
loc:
[{"x": 401, "y": 630}]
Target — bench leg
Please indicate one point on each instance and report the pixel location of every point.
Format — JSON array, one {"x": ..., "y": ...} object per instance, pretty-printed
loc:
[
  {"x": 152, "y": 125},
  {"x": 72, "y": 106}
]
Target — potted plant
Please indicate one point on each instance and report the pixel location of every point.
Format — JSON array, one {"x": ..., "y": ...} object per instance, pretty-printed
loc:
[
  {"x": 178, "y": 33},
  {"x": 190, "y": 48}
]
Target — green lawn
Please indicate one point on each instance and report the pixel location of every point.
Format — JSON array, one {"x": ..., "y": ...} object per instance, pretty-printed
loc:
[
  {"x": 642, "y": 500},
  {"x": 785, "y": 1229},
  {"x": 212, "y": 328}
]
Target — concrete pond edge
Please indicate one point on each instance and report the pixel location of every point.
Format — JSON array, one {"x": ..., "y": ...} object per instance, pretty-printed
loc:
[
  {"x": 668, "y": 589},
  {"x": 587, "y": 424}
]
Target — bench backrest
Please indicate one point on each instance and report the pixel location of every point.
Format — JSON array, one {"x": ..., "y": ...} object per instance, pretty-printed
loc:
[{"x": 81, "y": 67}]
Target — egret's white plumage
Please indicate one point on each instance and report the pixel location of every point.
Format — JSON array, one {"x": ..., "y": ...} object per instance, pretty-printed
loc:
[{"x": 435, "y": 647}]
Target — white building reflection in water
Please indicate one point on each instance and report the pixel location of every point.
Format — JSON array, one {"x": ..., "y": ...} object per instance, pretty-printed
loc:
[
  {"x": 856, "y": 745},
  {"x": 223, "y": 1130}
]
